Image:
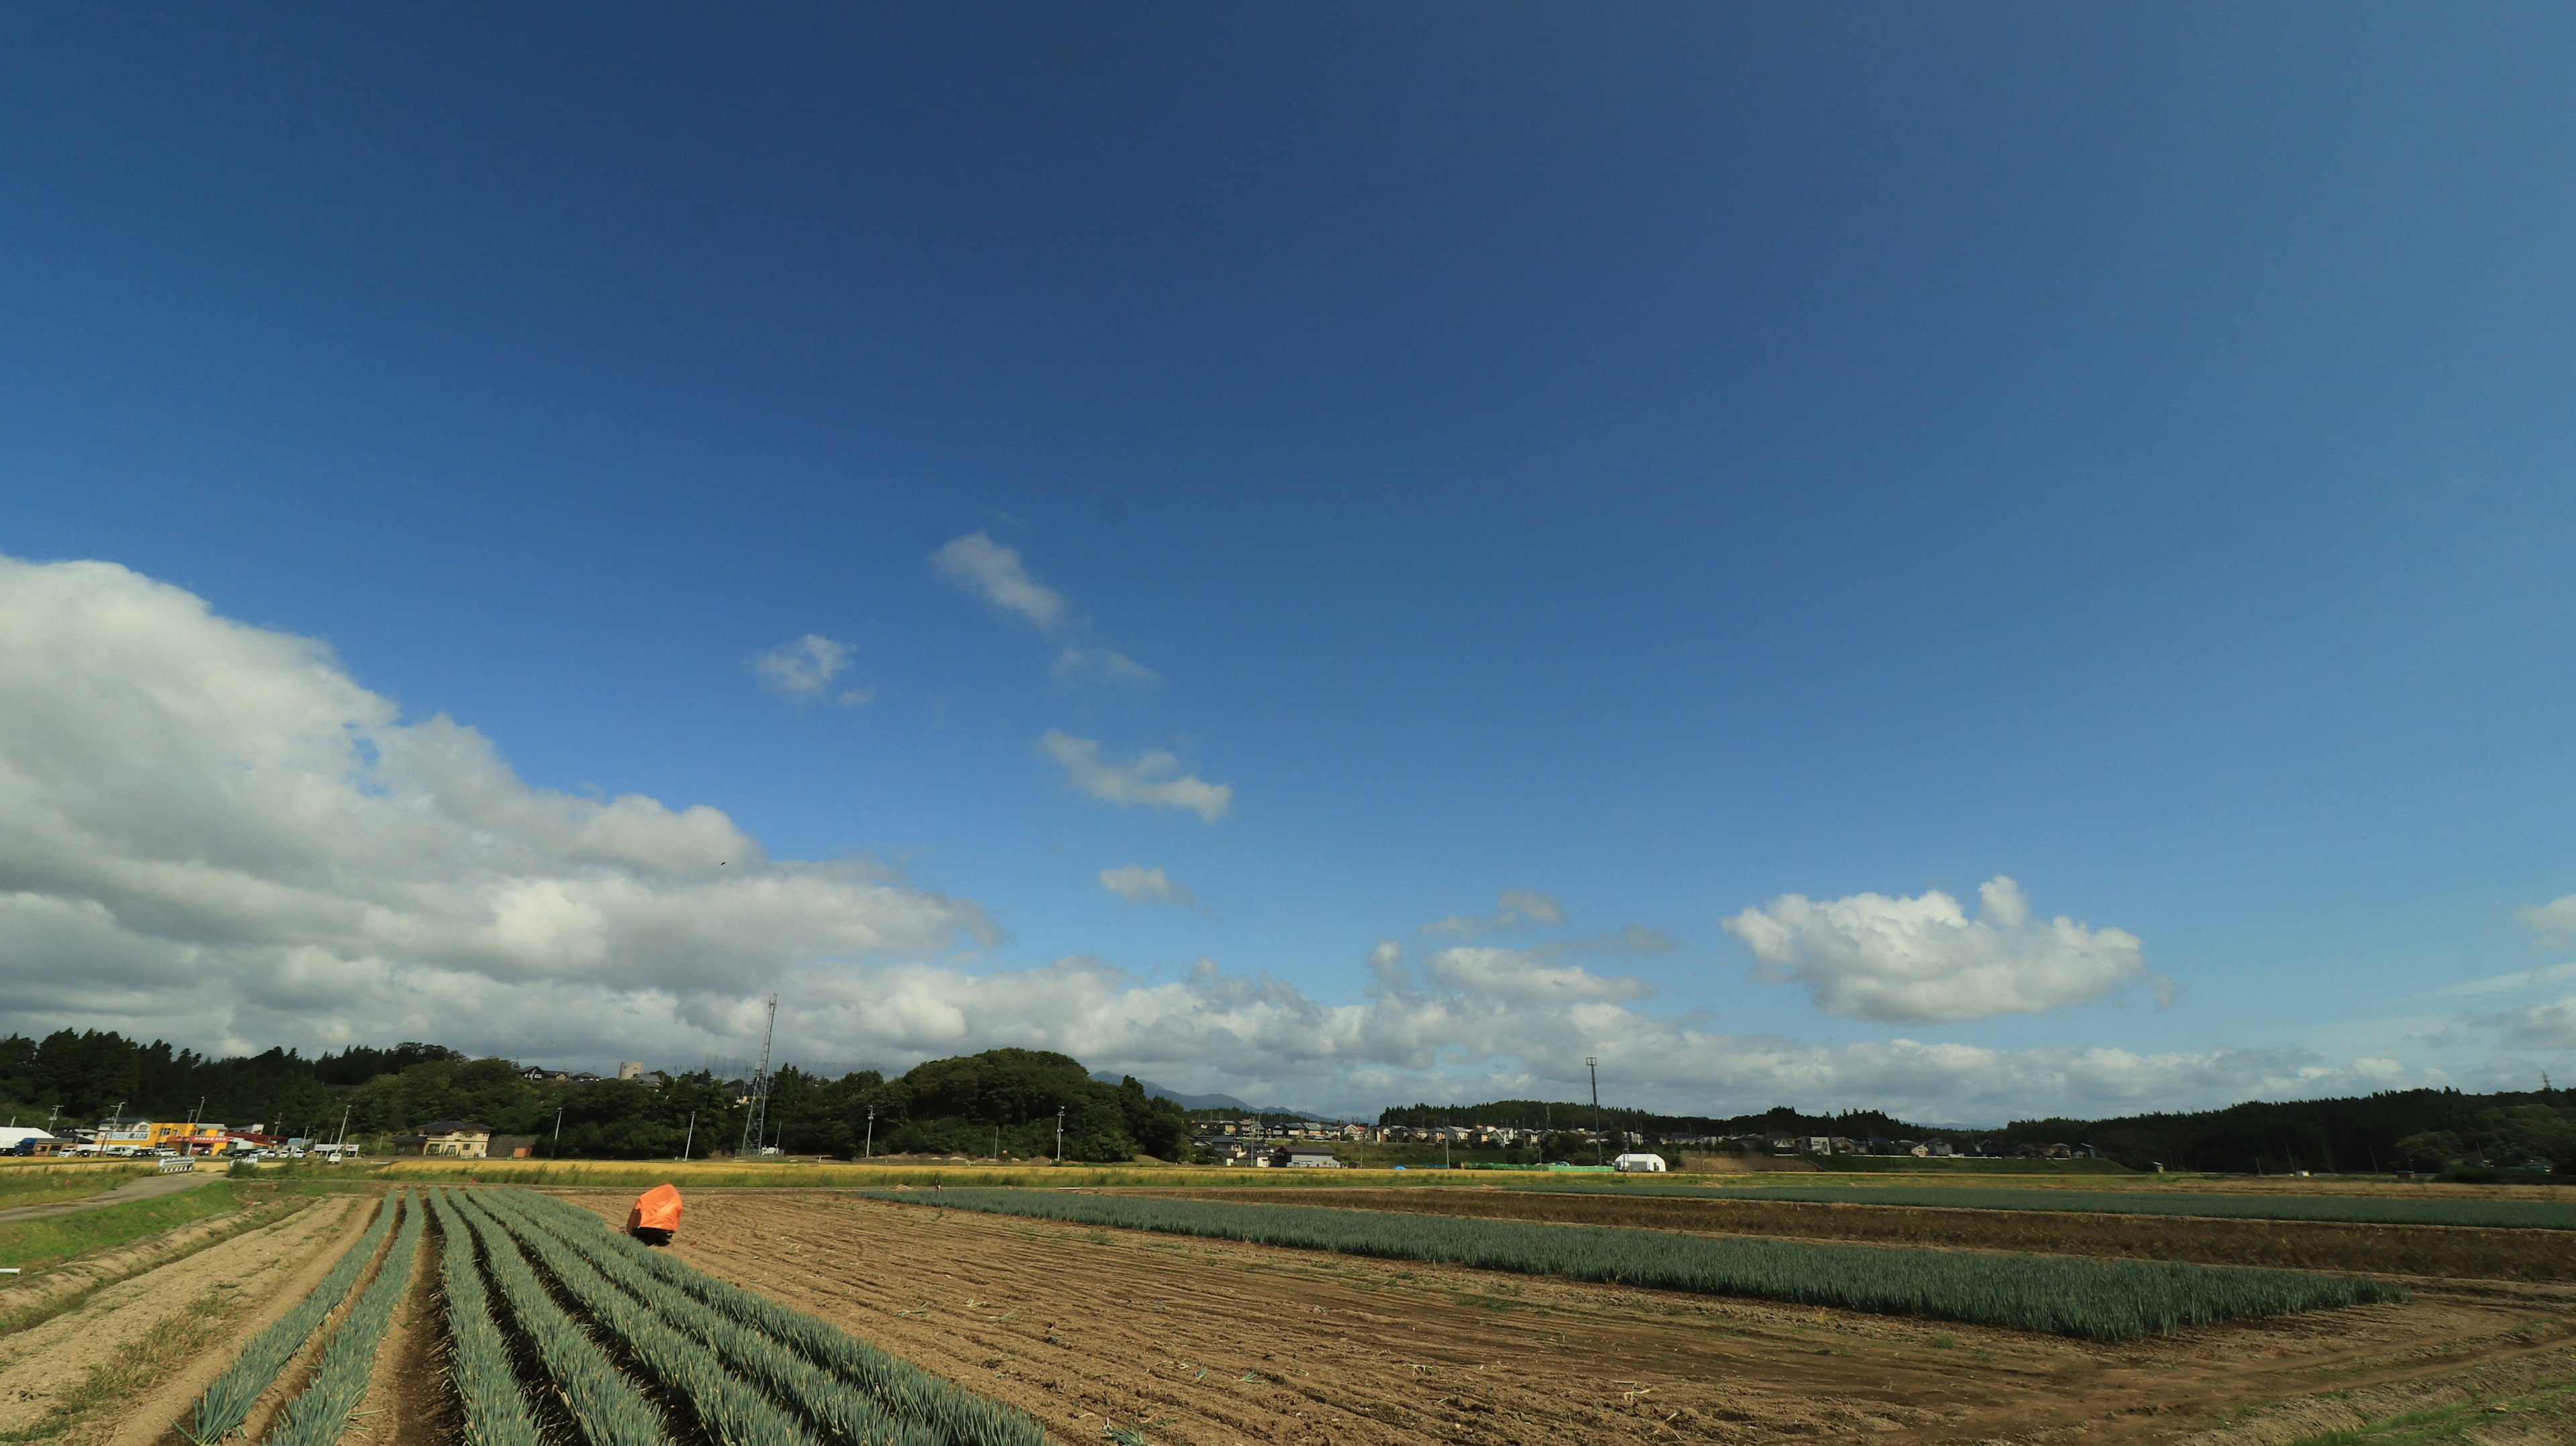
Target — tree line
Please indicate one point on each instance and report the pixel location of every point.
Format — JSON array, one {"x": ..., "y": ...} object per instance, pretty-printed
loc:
[
  {"x": 1004, "y": 1101},
  {"x": 2421, "y": 1129}
]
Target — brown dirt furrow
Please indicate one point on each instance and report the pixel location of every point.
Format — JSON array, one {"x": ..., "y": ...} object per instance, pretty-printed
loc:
[
  {"x": 150, "y": 1415},
  {"x": 1199, "y": 1341},
  {"x": 407, "y": 1401},
  {"x": 41, "y": 1295},
  {"x": 2451, "y": 1252},
  {"x": 70, "y": 1377}
]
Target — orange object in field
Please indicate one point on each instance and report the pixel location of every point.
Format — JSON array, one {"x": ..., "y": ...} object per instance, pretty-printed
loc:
[{"x": 656, "y": 1209}]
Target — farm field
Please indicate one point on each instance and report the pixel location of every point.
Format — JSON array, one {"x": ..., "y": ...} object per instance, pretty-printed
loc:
[
  {"x": 2550, "y": 1214},
  {"x": 2061, "y": 1294},
  {"x": 434, "y": 1318},
  {"x": 2447, "y": 1251},
  {"x": 500, "y": 1317},
  {"x": 1191, "y": 1340}
]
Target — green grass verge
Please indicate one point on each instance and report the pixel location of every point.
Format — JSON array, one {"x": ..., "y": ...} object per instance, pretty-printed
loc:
[
  {"x": 2110, "y": 1300},
  {"x": 59, "y": 1237},
  {"x": 2341, "y": 1209},
  {"x": 22, "y": 1185}
]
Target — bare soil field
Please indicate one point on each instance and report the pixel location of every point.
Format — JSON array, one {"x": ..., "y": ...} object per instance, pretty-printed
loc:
[
  {"x": 2439, "y": 1251},
  {"x": 73, "y": 1377},
  {"x": 1200, "y": 1341}
]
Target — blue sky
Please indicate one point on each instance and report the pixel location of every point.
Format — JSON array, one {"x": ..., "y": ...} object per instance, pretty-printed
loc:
[{"x": 1666, "y": 462}]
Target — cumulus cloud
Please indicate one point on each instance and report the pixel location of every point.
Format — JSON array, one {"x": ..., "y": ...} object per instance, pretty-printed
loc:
[
  {"x": 1138, "y": 884},
  {"x": 1153, "y": 779},
  {"x": 805, "y": 668},
  {"x": 1923, "y": 960},
  {"x": 209, "y": 830},
  {"x": 1100, "y": 665},
  {"x": 995, "y": 573},
  {"x": 1512, "y": 909}
]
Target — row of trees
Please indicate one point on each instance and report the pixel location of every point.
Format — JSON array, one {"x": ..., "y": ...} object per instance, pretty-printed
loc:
[
  {"x": 1005, "y": 1101},
  {"x": 2392, "y": 1130}
]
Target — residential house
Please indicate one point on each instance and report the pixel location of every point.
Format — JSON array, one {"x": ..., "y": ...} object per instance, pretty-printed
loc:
[{"x": 453, "y": 1139}]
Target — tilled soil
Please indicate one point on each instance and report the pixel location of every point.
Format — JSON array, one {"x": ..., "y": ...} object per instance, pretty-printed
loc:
[
  {"x": 1201, "y": 1341},
  {"x": 2455, "y": 1252},
  {"x": 167, "y": 1393},
  {"x": 54, "y": 1363}
]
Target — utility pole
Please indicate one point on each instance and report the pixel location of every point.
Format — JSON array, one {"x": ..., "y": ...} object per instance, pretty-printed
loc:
[
  {"x": 691, "y": 1138},
  {"x": 872, "y": 1134},
  {"x": 555, "y": 1152},
  {"x": 1059, "y": 1134},
  {"x": 755, "y": 1123},
  {"x": 1594, "y": 1066},
  {"x": 997, "y": 1144}
]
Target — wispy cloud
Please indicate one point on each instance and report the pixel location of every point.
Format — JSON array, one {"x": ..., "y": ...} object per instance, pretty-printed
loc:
[
  {"x": 2535, "y": 978},
  {"x": 1153, "y": 779},
  {"x": 804, "y": 669},
  {"x": 995, "y": 573},
  {"x": 1512, "y": 909},
  {"x": 1100, "y": 665},
  {"x": 1138, "y": 884}
]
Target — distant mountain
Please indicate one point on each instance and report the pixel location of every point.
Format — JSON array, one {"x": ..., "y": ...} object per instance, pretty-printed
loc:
[{"x": 1202, "y": 1102}]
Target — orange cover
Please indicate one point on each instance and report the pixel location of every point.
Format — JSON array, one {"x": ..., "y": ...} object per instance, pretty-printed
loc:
[{"x": 656, "y": 1209}]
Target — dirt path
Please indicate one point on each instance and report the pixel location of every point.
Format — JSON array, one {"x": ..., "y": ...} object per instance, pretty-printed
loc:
[
  {"x": 407, "y": 1401},
  {"x": 63, "y": 1373},
  {"x": 142, "y": 1187},
  {"x": 2457, "y": 1252},
  {"x": 1197, "y": 1341}
]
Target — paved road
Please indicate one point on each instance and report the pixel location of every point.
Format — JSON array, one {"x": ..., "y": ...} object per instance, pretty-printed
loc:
[{"x": 142, "y": 1187}]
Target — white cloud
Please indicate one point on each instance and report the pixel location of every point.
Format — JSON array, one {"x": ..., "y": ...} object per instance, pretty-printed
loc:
[
  {"x": 994, "y": 573},
  {"x": 209, "y": 831},
  {"x": 1923, "y": 960},
  {"x": 2554, "y": 921},
  {"x": 1148, "y": 779},
  {"x": 1138, "y": 884},
  {"x": 1099, "y": 665},
  {"x": 805, "y": 668},
  {"x": 1525, "y": 978},
  {"x": 2535, "y": 1026},
  {"x": 1512, "y": 909}
]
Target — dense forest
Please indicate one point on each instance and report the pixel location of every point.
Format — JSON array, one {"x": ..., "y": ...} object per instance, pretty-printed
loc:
[
  {"x": 2398, "y": 1129},
  {"x": 1003, "y": 1100}
]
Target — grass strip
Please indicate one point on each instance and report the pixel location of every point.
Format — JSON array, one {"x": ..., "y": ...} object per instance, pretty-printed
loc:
[
  {"x": 730, "y": 1409},
  {"x": 145, "y": 1259},
  {"x": 960, "y": 1415},
  {"x": 486, "y": 1385},
  {"x": 2333, "y": 1209},
  {"x": 50, "y": 1238},
  {"x": 320, "y": 1412},
  {"x": 2103, "y": 1300},
  {"x": 604, "y": 1402},
  {"x": 226, "y": 1401},
  {"x": 24, "y": 1185},
  {"x": 838, "y": 1408}
]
